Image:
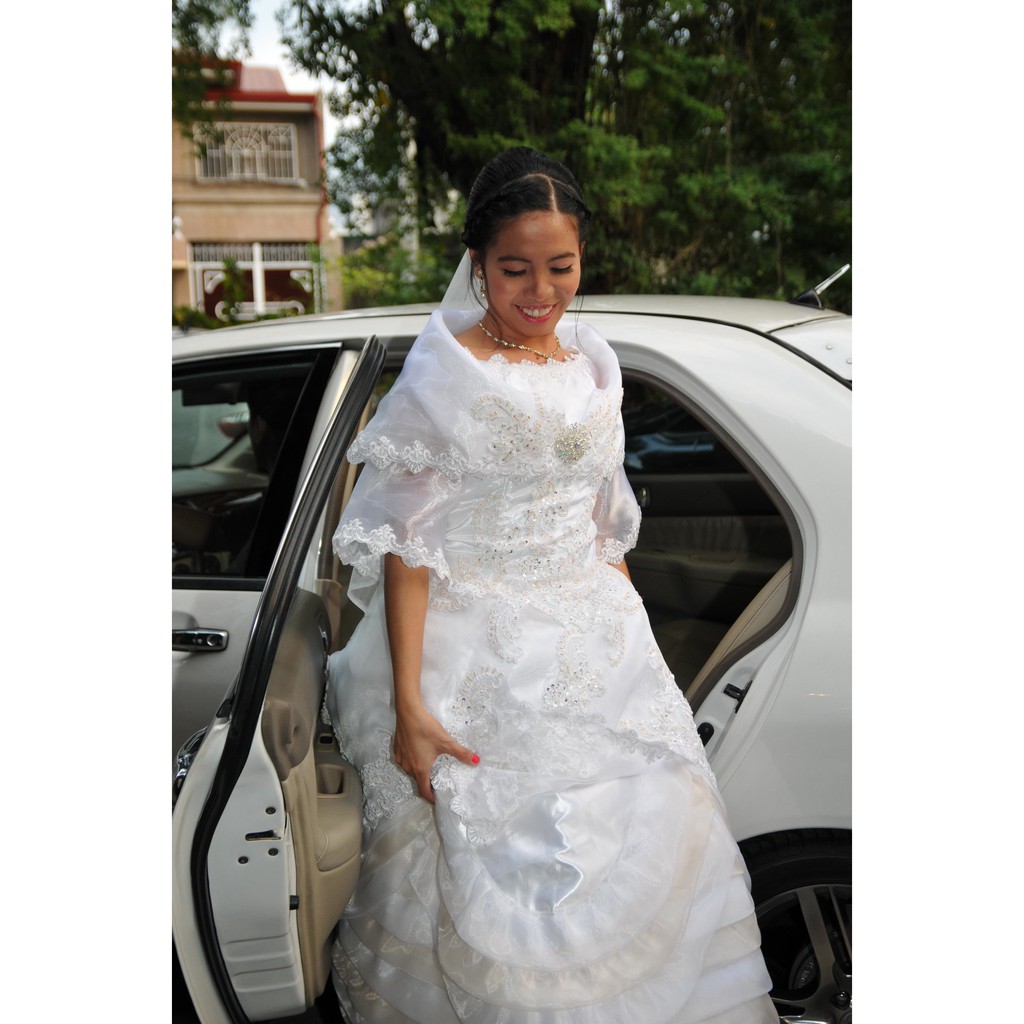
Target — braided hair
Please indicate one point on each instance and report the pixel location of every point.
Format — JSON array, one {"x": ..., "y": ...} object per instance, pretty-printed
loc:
[{"x": 520, "y": 180}]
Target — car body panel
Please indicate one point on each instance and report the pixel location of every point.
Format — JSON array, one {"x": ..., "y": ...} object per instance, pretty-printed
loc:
[
  {"x": 188, "y": 942},
  {"x": 827, "y": 341},
  {"x": 793, "y": 768},
  {"x": 302, "y": 332},
  {"x": 764, "y": 315},
  {"x": 200, "y": 679}
]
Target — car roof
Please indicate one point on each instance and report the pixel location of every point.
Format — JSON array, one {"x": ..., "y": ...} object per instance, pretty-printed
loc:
[
  {"x": 765, "y": 315},
  {"x": 821, "y": 335}
]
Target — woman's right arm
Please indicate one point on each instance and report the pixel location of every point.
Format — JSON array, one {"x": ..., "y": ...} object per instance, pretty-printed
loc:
[{"x": 419, "y": 737}]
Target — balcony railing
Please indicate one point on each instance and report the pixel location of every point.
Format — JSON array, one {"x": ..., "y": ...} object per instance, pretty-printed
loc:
[{"x": 240, "y": 252}]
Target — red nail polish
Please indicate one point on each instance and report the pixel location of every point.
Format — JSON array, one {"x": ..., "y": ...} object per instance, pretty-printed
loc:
[{"x": 476, "y": 759}]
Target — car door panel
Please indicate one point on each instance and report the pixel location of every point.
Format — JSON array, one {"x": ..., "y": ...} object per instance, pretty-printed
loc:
[
  {"x": 306, "y": 843},
  {"x": 251, "y": 876},
  {"x": 200, "y": 679},
  {"x": 274, "y": 851},
  {"x": 196, "y": 969},
  {"x": 321, "y": 792}
]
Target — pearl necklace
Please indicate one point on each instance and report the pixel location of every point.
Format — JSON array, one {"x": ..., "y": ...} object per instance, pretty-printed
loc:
[{"x": 525, "y": 348}]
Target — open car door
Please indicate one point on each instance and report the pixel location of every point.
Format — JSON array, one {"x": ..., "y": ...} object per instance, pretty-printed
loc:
[
  {"x": 267, "y": 823},
  {"x": 245, "y": 428}
]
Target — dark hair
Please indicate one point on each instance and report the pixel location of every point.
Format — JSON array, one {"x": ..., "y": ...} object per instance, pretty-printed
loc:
[{"x": 520, "y": 180}]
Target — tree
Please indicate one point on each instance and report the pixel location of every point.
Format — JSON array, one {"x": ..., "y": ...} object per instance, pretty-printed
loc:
[
  {"x": 433, "y": 88},
  {"x": 206, "y": 34},
  {"x": 712, "y": 138}
]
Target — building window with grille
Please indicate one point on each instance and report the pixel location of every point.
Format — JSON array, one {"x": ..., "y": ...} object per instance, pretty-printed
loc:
[{"x": 250, "y": 152}]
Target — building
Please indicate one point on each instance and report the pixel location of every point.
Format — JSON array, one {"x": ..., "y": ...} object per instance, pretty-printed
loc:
[{"x": 254, "y": 197}]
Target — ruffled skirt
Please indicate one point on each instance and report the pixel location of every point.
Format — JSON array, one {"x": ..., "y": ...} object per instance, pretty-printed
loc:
[{"x": 582, "y": 873}]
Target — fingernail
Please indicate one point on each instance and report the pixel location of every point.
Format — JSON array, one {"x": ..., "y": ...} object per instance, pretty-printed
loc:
[{"x": 476, "y": 759}]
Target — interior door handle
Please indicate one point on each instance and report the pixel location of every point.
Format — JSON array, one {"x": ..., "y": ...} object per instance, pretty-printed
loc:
[
  {"x": 199, "y": 640},
  {"x": 643, "y": 497}
]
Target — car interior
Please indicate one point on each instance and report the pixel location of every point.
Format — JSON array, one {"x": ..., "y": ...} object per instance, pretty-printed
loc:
[
  {"x": 239, "y": 434},
  {"x": 714, "y": 551}
]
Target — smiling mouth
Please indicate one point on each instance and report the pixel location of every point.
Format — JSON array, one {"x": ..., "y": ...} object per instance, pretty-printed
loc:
[{"x": 536, "y": 312}]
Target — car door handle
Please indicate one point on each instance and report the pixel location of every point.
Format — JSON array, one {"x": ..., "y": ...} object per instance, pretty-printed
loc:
[
  {"x": 199, "y": 640},
  {"x": 643, "y": 497}
]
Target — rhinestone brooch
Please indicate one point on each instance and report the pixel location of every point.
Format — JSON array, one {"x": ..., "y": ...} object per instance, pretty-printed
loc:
[{"x": 572, "y": 442}]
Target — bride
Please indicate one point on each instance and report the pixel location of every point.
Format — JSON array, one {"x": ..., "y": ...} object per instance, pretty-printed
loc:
[{"x": 544, "y": 841}]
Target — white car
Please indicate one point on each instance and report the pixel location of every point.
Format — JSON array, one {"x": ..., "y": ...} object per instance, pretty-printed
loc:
[{"x": 737, "y": 416}]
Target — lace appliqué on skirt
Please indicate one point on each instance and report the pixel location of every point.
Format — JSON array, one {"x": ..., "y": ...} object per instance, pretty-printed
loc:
[
  {"x": 385, "y": 787},
  {"x": 670, "y": 720},
  {"x": 523, "y": 748}
]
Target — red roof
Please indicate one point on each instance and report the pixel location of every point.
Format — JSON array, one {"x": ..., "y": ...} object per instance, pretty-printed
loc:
[
  {"x": 260, "y": 79},
  {"x": 256, "y": 83}
]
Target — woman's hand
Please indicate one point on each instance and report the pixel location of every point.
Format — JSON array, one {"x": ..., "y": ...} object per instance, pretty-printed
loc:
[
  {"x": 419, "y": 740},
  {"x": 419, "y": 737}
]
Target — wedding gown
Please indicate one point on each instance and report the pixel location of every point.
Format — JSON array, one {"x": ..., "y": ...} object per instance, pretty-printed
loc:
[{"x": 583, "y": 872}]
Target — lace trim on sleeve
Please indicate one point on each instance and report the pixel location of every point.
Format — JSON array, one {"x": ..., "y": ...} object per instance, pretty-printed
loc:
[
  {"x": 614, "y": 551},
  {"x": 361, "y": 548},
  {"x": 384, "y": 454},
  {"x": 617, "y": 531}
]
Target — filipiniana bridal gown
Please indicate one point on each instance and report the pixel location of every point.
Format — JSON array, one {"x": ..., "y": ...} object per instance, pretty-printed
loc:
[{"x": 583, "y": 872}]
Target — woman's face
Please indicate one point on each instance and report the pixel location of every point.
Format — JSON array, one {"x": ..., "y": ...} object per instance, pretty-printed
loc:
[{"x": 532, "y": 272}]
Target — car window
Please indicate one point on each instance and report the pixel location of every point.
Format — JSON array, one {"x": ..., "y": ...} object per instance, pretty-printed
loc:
[
  {"x": 710, "y": 537},
  {"x": 663, "y": 436},
  {"x": 200, "y": 433},
  {"x": 239, "y": 431}
]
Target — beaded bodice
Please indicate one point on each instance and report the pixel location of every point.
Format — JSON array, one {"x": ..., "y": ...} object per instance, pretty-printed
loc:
[{"x": 496, "y": 477}]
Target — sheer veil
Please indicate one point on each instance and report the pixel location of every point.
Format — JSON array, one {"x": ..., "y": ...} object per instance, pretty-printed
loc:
[{"x": 460, "y": 293}]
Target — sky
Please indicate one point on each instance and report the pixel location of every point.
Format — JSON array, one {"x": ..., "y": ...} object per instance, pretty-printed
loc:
[{"x": 268, "y": 50}]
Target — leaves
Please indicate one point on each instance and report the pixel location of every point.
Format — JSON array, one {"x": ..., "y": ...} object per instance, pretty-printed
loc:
[
  {"x": 385, "y": 272},
  {"x": 712, "y": 138},
  {"x": 206, "y": 34}
]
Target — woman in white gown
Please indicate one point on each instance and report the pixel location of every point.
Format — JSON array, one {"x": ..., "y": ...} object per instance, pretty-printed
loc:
[{"x": 544, "y": 842}]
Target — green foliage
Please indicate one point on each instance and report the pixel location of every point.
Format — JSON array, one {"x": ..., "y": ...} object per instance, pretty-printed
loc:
[
  {"x": 384, "y": 272},
  {"x": 188, "y": 317},
  {"x": 712, "y": 138},
  {"x": 234, "y": 290},
  {"x": 205, "y": 33}
]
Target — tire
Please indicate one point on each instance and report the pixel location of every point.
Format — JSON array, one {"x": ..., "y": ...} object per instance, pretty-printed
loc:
[{"x": 801, "y": 883}]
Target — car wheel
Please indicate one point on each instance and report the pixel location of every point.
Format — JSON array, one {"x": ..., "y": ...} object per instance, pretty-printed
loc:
[{"x": 801, "y": 883}]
